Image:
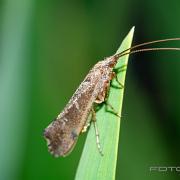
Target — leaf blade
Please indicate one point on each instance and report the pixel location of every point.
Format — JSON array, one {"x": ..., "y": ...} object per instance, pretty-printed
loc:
[{"x": 92, "y": 165}]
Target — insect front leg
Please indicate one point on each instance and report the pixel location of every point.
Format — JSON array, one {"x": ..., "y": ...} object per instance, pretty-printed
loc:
[
  {"x": 115, "y": 72},
  {"x": 96, "y": 131},
  {"x": 120, "y": 69},
  {"x": 121, "y": 86}
]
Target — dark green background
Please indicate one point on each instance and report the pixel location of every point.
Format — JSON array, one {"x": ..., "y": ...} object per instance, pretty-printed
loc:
[{"x": 46, "y": 49}]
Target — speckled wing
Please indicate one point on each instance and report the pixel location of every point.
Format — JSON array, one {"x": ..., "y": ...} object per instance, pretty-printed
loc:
[{"x": 62, "y": 134}]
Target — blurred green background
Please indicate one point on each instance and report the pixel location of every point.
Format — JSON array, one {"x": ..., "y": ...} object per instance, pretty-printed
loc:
[{"x": 46, "y": 49}]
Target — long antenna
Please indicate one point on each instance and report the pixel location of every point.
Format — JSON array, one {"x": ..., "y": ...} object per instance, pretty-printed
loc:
[
  {"x": 145, "y": 49},
  {"x": 150, "y": 42}
]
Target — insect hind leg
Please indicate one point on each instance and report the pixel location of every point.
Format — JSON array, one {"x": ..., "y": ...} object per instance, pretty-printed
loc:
[{"x": 96, "y": 132}]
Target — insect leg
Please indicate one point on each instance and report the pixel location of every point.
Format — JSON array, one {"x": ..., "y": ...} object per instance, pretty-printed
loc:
[
  {"x": 107, "y": 104},
  {"x": 117, "y": 80},
  {"x": 120, "y": 69},
  {"x": 97, "y": 107},
  {"x": 113, "y": 111},
  {"x": 96, "y": 131},
  {"x": 116, "y": 71},
  {"x": 85, "y": 127},
  {"x": 87, "y": 124}
]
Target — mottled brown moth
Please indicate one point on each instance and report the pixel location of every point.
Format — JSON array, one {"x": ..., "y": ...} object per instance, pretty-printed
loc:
[{"x": 63, "y": 132}]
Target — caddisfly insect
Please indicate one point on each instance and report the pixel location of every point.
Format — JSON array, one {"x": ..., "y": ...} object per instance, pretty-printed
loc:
[{"x": 63, "y": 132}]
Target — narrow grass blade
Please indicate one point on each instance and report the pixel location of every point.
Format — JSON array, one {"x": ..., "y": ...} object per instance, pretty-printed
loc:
[{"x": 92, "y": 165}]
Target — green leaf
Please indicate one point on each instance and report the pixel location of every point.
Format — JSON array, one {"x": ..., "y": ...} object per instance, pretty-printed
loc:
[{"x": 92, "y": 165}]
